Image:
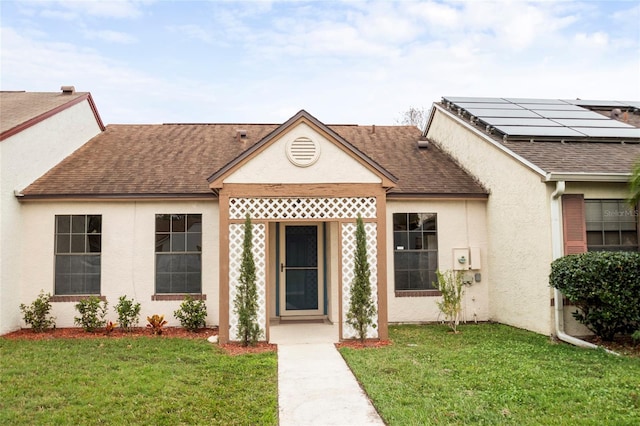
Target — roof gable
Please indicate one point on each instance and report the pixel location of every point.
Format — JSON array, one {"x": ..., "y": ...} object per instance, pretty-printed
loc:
[
  {"x": 21, "y": 110},
  {"x": 302, "y": 120}
]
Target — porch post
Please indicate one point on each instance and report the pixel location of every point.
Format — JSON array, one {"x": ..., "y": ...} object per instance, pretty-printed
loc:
[{"x": 223, "y": 328}]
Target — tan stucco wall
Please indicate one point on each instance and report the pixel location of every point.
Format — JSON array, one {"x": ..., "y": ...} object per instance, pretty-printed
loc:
[
  {"x": 273, "y": 166},
  {"x": 24, "y": 157},
  {"x": 461, "y": 224},
  {"x": 128, "y": 254},
  {"x": 519, "y": 226}
]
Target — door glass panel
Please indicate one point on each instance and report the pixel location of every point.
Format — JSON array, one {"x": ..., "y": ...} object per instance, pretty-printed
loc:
[{"x": 301, "y": 261}]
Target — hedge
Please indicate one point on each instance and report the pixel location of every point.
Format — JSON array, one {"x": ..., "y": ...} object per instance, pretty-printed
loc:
[{"x": 605, "y": 286}]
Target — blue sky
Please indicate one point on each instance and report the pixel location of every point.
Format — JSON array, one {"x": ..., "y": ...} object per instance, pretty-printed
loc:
[{"x": 358, "y": 62}]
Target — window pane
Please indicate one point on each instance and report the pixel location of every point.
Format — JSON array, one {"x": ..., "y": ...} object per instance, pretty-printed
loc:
[
  {"x": 178, "y": 263},
  {"x": 163, "y": 263},
  {"x": 178, "y": 283},
  {"x": 78, "y": 224},
  {"x": 178, "y": 241},
  {"x": 193, "y": 284},
  {"x": 431, "y": 241},
  {"x": 194, "y": 242},
  {"x": 163, "y": 283},
  {"x": 401, "y": 261},
  {"x": 400, "y": 221},
  {"x": 630, "y": 238},
  {"x": 593, "y": 210},
  {"x": 178, "y": 223},
  {"x": 402, "y": 280},
  {"x": 414, "y": 221},
  {"x": 163, "y": 243},
  {"x": 194, "y": 223},
  {"x": 63, "y": 224},
  {"x": 610, "y": 210},
  {"x": 94, "y": 243},
  {"x": 163, "y": 223},
  {"x": 400, "y": 240},
  {"x": 594, "y": 226},
  {"x": 94, "y": 225},
  {"x": 415, "y": 240},
  {"x": 63, "y": 243},
  {"x": 594, "y": 238},
  {"x": 78, "y": 243},
  {"x": 612, "y": 238},
  {"x": 428, "y": 221},
  {"x": 192, "y": 262}
]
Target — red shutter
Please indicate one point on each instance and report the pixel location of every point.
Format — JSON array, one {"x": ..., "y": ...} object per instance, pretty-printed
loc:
[{"x": 573, "y": 223}]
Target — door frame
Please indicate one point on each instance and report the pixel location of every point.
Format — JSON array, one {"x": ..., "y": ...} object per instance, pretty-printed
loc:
[{"x": 281, "y": 272}]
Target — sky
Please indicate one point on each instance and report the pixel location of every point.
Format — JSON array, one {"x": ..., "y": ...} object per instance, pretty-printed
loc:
[{"x": 358, "y": 62}]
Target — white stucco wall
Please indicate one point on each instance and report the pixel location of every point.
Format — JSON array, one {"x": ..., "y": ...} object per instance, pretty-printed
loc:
[
  {"x": 128, "y": 254},
  {"x": 460, "y": 224},
  {"x": 273, "y": 166},
  {"x": 519, "y": 226},
  {"x": 23, "y": 158}
]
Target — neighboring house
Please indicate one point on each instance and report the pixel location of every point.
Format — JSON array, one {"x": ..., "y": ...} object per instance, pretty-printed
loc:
[
  {"x": 557, "y": 173},
  {"x": 155, "y": 212},
  {"x": 37, "y": 131}
]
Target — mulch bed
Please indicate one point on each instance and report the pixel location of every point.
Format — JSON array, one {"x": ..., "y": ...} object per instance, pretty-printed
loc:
[
  {"x": 79, "y": 333},
  {"x": 624, "y": 345},
  {"x": 357, "y": 344}
]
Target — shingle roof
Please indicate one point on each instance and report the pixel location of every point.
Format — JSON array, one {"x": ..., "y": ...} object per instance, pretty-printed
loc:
[
  {"x": 177, "y": 159},
  {"x": 18, "y": 108},
  {"x": 587, "y": 155}
]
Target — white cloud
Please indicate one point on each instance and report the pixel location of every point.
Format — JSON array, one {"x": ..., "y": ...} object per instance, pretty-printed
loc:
[
  {"x": 192, "y": 31},
  {"x": 598, "y": 39}
]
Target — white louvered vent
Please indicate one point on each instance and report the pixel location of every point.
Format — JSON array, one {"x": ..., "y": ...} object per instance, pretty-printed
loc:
[{"x": 303, "y": 151}]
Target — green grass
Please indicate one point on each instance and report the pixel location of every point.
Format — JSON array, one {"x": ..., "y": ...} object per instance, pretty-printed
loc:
[
  {"x": 495, "y": 374},
  {"x": 155, "y": 381}
]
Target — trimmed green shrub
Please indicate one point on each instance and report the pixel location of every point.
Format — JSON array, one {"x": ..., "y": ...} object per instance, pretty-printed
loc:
[
  {"x": 37, "y": 314},
  {"x": 92, "y": 312},
  {"x": 192, "y": 313},
  {"x": 451, "y": 286},
  {"x": 128, "y": 313},
  {"x": 361, "y": 307},
  {"x": 605, "y": 286}
]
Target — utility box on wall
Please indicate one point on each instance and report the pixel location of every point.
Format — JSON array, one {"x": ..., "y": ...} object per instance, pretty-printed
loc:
[
  {"x": 461, "y": 259},
  {"x": 474, "y": 258}
]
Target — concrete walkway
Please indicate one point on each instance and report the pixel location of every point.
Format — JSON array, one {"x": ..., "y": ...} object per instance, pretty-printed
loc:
[{"x": 315, "y": 386}]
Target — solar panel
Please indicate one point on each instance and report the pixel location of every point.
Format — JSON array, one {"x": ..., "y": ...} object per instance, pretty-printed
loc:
[
  {"x": 487, "y": 105},
  {"x": 538, "y": 131},
  {"x": 535, "y": 101},
  {"x": 523, "y": 118},
  {"x": 592, "y": 123},
  {"x": 510, "y": 121},
  {"x": 602, "y": 132},
  {"x": 522, "y": 113},
  {"x": 456, "y": 99},
  {"x": 583, "y": 114}
]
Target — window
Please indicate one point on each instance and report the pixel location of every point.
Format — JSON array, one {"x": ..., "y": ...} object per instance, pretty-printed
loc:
[
  {"x": 78, "y": 244},
  {"x": 611, "y": 225},
  {"x": 178, "y": 253},
  {"x": 415, "y": 243}
]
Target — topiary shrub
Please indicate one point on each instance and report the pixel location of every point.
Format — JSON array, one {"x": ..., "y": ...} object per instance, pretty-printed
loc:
[
  {"x": 192, "y": 313},
  {"x": 128, "y": 313},
  {"x": 605, "y": 286}
]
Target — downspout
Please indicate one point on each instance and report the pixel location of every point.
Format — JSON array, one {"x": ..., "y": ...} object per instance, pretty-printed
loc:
[{"x": 557, "y": 252}]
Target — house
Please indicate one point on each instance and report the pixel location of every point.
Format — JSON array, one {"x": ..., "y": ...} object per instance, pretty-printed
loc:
[
  {"x": 496, "y": 188},
  {"x": 557, "y": 173},
  {"x": 156, "y": 212},
  {"x": 37, "y": 130}
]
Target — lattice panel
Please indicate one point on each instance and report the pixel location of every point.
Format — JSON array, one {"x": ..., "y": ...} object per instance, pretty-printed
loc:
[
  {"x": 302, "y": 208},
  {"x": 348, "y": 255},
  {"x": 236, "y": 237}
]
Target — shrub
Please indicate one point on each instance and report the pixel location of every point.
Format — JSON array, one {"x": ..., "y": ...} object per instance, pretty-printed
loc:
[
  {"x": 605, "y": 286},
  {"x": 156, "y": 322},
  {"x": 128, "y": 313},
  {"x": 361, "y": 306},
  {"x": 450, "y": 285},
  {"x": 92, "y": 312},
  {"x": 192, "y": 313},
  {"x": 37, "y": 314}
]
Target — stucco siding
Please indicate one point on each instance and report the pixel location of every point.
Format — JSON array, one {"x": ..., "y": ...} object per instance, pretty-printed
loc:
[
  {"x": 272, "y": 165},
  {"x": 519, "y": 225},
  {"x": 460, "y": 224},
  {"x": 24, "y": 157},
  {"x": 127, "y": 257}
]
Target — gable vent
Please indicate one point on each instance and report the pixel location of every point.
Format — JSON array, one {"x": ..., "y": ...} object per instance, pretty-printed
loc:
[{"x": 303, "y": 151}]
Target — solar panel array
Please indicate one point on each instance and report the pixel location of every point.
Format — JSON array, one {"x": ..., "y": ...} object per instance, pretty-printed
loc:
[{"x": 531, "y": 119}]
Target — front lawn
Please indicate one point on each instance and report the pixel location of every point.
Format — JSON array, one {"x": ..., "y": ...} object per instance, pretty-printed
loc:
[
  {"x": 155, "y": 381},
  {"x": 495, "y": 374}
]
